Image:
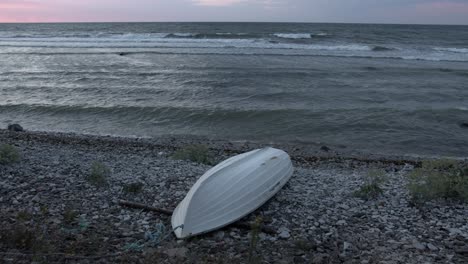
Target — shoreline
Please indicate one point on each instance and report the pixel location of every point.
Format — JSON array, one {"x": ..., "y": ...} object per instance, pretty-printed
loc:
[
  {"x": 58, "y": 215},
  {"x": 299, "y": 151}
]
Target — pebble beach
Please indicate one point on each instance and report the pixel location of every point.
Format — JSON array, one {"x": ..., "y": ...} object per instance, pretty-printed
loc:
[{"x": 51, "y": 213}]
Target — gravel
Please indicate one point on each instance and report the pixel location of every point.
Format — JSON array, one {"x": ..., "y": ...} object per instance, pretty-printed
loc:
[{"x": 50, "y": 212}]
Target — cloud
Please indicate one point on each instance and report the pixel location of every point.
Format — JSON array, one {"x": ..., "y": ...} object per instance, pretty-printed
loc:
[
  {"x": 17, "y": 4},
  {"x": 369, "y": 11},
  {"x": 442, "y": 7},
  {"x": 217, "y": 2}
]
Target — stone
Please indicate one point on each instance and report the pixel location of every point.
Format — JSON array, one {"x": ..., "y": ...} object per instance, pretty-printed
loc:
[
  {"x": 346, "y": 246},
  {"x": 298, "y": 259},
  {"x": 284, "y": 233},
  {"x": 462, "y": 251},
  {"x": 344, "y": 206},
  {"x": 15, "y": 128},
  {"x": 419, "y": 246},
  {"x": 320, "y": 258},
  {"x": 431, "y": 247},
  {"x": 454, "y": 231},
  {"x": 341, "y": 222},
  {"x": 325, "y": 148},
  {"x": 219, "y": 235},
  {"x": 177, "y": 252}
]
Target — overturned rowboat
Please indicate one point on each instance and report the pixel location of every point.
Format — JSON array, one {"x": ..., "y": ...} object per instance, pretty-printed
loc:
[{"x": 231, "y": 190}]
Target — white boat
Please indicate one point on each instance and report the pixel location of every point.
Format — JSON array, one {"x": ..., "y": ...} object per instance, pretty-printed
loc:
[{"x": 231, "y": 190}]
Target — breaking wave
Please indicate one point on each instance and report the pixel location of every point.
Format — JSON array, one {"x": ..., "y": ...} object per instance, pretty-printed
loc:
[
  {"x": 455, "y": 50},
  {"x": 293, "y": 35},
  {"x": 223, "y": 43},
  {"x": 300, "y": 35}
]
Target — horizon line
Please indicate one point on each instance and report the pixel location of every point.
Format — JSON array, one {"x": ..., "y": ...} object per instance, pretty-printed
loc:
[{"x": 259, "y": 22}]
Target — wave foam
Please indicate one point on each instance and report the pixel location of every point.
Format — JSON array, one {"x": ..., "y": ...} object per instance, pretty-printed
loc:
[
  {"x": 322, "y": 34},
  {"x": 293, "y": 35},
  {"x": 456, "y": 50},
  {"x": 180, "y": 35},
  {"x": 350, "y": 47}
]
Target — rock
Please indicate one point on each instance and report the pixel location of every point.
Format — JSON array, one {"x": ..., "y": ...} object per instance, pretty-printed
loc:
[
  {"x": 462, "y": 251},
  {"x": 346, "y": 246},
  {"x": 341, "y": 223},
  {"x": 219, "y": 235},
  {"x": 431, "y": 247},
  {"x": 15, "y": 128},
  {"x": 177, "y": 252},
  {"x": 419, "y": 246},
  {"x": 325, "y": 148},
  {"x": 344, "y": 206},
  {"x": 320, "y": 258},
  {"x": 284, "y": 233},
  {"x": 298, "y": 259},
  {"x": 454, "y": 231}
]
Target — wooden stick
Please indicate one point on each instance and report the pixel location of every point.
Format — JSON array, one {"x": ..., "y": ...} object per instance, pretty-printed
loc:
[
  {"x": 240, "y": 225},
  {"x": 144, "y": 207},
  {"x": 63, "y": 255}
]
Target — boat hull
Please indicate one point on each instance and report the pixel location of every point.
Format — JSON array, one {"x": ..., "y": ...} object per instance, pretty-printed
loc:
[{"x": 231, "y": 190}]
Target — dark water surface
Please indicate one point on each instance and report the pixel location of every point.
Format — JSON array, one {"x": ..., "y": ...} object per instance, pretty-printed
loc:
[{"x": 392, "y": 89}]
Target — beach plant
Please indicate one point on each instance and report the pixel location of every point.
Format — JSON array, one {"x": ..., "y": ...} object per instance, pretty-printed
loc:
[
  {"x": 70, "y": 216},
  {"x": 27, "y": 238},
  {"x": 133, "y": 188},
  {"x": 99, "y": 174},
  {"x": 305, "y": 245},
  {"x": 195, "y": 153},
  {"x": 372, "y": 185},
  {"x": 256, "y": 225},
  {"x": 24, "y": 216},
  {"x": 439, "y": 179},
  {"x": 21, "y": 237},
  {"x": 8, "y": 154}
]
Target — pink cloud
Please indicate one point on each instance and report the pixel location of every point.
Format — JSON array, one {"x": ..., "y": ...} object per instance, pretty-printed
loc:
[
  {"x": 18, "y": 4},
  {"x": 442, "y": 8},
  {"x": 19, "y": 11},
  {"x": 217, "y": 2}
]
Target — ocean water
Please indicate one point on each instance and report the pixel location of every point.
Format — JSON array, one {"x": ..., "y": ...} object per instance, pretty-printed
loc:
[{"x": 389, "y": 89}]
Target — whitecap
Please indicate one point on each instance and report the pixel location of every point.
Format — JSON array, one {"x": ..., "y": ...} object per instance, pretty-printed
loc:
[
  {"x": 456, "y": 50},
  {"x": 293, "y": 35}
]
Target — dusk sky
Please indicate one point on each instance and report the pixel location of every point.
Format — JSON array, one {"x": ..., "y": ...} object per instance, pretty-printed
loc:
[{"x": 365, "y": 11}]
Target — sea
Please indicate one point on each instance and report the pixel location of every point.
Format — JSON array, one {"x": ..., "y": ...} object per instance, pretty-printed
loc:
[{"x": 384, "y": 89}]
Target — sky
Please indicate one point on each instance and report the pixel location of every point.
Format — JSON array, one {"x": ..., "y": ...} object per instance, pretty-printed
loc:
[{"x": 347, "y": 11}]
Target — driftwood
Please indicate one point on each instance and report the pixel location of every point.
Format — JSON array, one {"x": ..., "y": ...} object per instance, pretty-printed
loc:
[
  {"x": 144, "y": 207},
  {"x": 240, "y": 225},
  {"x": 62, "y": 255}
]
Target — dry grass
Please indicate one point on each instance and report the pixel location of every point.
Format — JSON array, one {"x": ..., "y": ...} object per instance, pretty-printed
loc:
[
  {"x": 195, "y": 153},
  {"x": 439, "y": 179},
  {"x": 8, "y": 154},
  {"x": 133, "y": 188},
  {"x": 99, "y": 174},
  {"x": 372, "y": 185}
]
